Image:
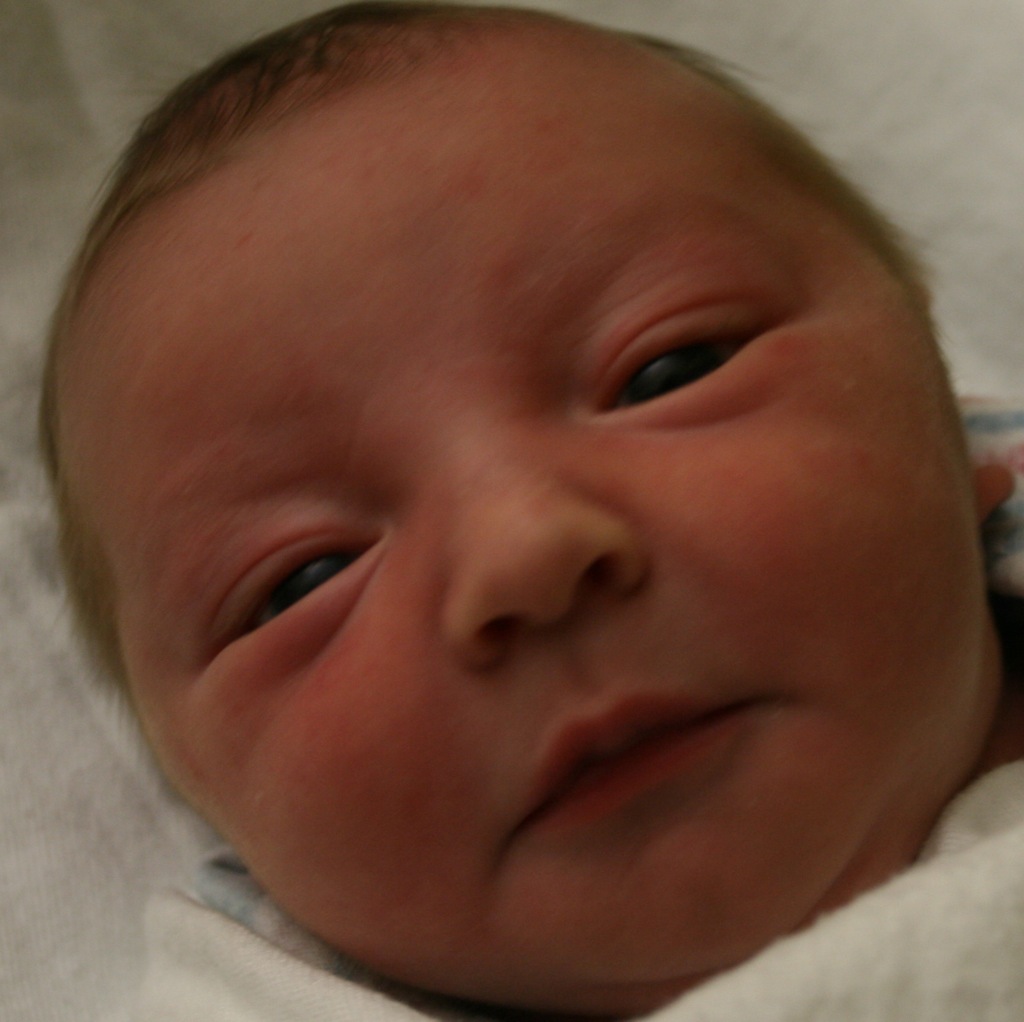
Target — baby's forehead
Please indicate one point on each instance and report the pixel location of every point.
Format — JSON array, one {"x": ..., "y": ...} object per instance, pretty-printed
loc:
[
  {"x": 503, "y": 79},
  {"x": 524, "y": 76},
  {"x": 574, "y": 88},
  {"x": 546, "y": 130}
]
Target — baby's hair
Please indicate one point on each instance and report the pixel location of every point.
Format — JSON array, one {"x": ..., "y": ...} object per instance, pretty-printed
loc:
[{"x": 200, "y": 123}]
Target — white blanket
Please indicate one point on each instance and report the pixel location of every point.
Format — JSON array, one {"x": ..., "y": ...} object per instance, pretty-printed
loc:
[
  {"x": 942, "y": 942},
  {"x": 922, "y": 100}
]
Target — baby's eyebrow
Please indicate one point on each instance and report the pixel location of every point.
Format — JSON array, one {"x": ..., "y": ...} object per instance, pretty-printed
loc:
[
  {"x": 606, "y": 248},
  {"x": 196, "y": 522},
  {"x": 217, "y": 518},
  {"x": 181, "y": 558},
  {"x": 703, "y": 251}
]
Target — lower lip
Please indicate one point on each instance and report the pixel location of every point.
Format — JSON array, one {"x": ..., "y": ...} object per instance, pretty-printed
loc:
[{"x": 692, "y": 754}]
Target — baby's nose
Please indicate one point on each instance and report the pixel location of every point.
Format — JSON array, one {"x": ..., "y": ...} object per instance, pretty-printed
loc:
[{"x": 531, "y": 561}]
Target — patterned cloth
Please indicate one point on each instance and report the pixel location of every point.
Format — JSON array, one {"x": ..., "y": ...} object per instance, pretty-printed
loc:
[{"x": 995, "y": 433}]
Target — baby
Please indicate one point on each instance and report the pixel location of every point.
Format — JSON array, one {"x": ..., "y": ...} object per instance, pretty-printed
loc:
[{"x": 516, "y": 481}]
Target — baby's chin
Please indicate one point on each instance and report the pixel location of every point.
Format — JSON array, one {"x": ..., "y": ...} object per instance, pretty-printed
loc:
[
  {"x": 629, "y": 1000},
  {"x": 578, "y": 999}
]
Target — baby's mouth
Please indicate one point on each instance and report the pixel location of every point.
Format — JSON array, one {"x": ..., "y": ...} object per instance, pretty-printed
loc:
[{"x": 599, "y": 765}]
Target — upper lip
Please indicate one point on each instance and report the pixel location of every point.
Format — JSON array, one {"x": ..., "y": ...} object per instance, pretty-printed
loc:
[{"x": 601, "y": 735}]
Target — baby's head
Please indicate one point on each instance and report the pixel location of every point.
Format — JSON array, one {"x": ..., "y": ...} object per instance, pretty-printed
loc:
[{"x": 518, "y": 483}]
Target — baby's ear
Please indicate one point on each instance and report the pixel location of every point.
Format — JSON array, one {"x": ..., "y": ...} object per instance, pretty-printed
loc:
[{"x": 993, "y": 484}]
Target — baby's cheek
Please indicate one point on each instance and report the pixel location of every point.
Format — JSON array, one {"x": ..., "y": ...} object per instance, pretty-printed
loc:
[{"x": 348, "y": 823}]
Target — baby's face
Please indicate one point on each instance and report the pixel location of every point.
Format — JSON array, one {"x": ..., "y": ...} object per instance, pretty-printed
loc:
[{"x": 538, "y": 541}]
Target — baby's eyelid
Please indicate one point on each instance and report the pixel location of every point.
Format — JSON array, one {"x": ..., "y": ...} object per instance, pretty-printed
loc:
[
  {"x": 300, "y": 583},
  {"x": 668, "y": 367},
  {"x": 730, "y": 325}
]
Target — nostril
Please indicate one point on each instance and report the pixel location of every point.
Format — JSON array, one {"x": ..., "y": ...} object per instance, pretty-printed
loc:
[
  {"x": 599, "y": 574},
  {"x": 547, "y": 569},
  {"x": 499, "y": 632},
  {"x": 612, "y": 572}
]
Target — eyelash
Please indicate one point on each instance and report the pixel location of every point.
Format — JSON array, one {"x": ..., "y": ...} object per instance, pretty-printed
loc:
[
  {"x": 280, "y": 600},
  {"x": 665, "y": 373}
]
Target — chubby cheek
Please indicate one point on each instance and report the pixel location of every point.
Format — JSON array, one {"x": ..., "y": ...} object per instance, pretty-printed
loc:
[
  {"x": 834, "y": 543},
  {"x": 341, "y": 783}
]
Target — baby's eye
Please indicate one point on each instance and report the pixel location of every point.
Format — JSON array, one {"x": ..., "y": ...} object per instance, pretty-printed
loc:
[
  {"x": 675, "y": 369},
  {"x": 301, "y": 583}
]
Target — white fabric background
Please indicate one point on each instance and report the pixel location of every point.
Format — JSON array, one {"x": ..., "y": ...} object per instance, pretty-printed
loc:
[{"x": 922, "y": 101}]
